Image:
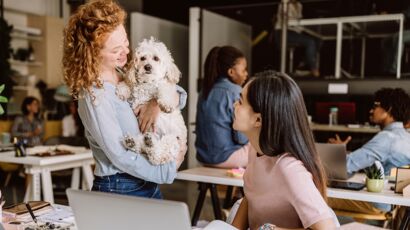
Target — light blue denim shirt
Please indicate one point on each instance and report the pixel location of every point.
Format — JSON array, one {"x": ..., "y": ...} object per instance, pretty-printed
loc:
[
  {"x": 391, "y": 147},
  {"x": 215, "y": 138},
  {"x": 106, "y": 121}
]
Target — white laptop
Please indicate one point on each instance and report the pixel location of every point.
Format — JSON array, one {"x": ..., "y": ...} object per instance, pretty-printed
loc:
[{"x": 105, "y": 211}]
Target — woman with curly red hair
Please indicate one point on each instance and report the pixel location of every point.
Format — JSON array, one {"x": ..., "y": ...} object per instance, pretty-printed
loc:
[{"x": 95, "y": 46}]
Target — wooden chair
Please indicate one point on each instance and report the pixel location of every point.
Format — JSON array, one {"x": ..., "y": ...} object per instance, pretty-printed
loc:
[
  {"x": 362, "y": 217},
  {"x": 9, "y": 169}
]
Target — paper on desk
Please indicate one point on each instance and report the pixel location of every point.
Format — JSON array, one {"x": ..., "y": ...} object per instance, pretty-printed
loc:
[
  {"x": 43, "y": 148},
  {"x": 59, "y": 214}
]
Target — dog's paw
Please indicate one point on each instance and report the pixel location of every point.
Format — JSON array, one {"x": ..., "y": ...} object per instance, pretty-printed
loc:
[
  {"x": 122, "y": 91},
  {"x": 150, "y": 139},
  {"x": 129, "y": 143},
  {"x": 165, "y": 108}
]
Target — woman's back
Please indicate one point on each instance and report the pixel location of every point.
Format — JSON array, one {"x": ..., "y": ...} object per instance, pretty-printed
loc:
[{"x": 215, "y": 138}]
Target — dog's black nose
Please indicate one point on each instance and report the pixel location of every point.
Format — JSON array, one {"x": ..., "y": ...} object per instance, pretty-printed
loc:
[{"x": 147, "y": 67}]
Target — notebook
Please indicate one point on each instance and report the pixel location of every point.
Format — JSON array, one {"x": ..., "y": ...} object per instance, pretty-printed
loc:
[
  {"x": 402, "y": 179},
  {"x": 100, "y": 211}
]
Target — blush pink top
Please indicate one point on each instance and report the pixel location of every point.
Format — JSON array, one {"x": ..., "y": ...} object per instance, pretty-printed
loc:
[{"x": 281, "y": 191}]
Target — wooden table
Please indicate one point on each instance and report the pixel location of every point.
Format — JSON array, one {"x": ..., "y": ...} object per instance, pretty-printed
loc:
[{"x": 41, "y": 167}]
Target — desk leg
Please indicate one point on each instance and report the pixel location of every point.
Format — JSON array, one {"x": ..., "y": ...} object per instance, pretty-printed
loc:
[
  {"x": 75, "y": 178},
  {"x": 228, "y": 197},
  {"x": 215, "y": 202},
  {"x": 203, "y": 187},
  {"x": 47, "y": 186},
  {"x": 363, "y": 58},
  {"x": 88, "y": 177},
  {"x": 406, "y": 220},
  {"x": 338, "y": 60},
  {"x": 29, "y": 189},
  {"x": 33, "y": 188}
]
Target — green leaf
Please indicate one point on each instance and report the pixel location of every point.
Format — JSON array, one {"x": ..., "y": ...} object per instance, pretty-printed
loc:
[
  {"x": 1, "y": 110},
  {"x": 1, "y": 88},
  {"x": 3, "y": 99}
]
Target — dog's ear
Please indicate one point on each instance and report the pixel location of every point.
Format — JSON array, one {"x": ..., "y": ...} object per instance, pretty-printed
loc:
[
  {"x": 173, "y": 74},
  {"x": 131, "y": 77}
]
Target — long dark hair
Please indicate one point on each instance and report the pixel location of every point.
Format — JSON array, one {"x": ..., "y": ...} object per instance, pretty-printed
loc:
[
  {"x": 27, "y": 101},
  {"x": 217, "y": 64},
  {"x": 285, "y": 128}
]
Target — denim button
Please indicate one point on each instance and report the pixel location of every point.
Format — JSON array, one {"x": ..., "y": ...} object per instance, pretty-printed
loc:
[{"x": 118, "y": 180}]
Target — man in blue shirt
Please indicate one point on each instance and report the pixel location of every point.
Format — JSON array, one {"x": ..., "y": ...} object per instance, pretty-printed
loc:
[{"x": 391, "y": 146}]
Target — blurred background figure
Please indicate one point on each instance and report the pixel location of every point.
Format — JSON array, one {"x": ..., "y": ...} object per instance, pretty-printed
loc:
[
  {"x": 217, "y": 144},
  {"x": 29, "y": 127},
  {"x": 71, "y": 124},
  {"x": 296, "y": 37},
  {"x": 390, "y": 45}
]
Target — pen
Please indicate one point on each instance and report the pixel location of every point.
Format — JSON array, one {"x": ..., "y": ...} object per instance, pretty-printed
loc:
[{"x": 31, "y": 212}]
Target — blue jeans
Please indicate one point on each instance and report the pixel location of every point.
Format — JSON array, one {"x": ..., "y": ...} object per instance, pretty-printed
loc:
[
  {"x": 122, "y": 183},
  {"x": 309, "y": 43}
]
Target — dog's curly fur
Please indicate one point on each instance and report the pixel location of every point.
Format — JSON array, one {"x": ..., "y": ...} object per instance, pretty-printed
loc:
[{"x": 154, "y": 75}]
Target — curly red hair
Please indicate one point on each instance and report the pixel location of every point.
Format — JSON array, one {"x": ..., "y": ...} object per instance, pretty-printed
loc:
[{"x": 84, "y": 37}]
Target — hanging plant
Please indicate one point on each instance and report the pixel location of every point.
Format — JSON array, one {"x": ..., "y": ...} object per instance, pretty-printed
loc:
[
  {"x": 5, "y": 69},
  {"x": 3, "y": 99}
]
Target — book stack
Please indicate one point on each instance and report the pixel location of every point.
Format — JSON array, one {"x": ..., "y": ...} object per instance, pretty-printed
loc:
[{"x": 19, "y": 212}]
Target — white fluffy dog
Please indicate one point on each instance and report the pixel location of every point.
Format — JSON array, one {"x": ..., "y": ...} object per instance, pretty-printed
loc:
[{"x": 154, "y": 76}]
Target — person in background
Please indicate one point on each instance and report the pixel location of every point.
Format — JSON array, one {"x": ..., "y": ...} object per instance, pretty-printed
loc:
[
  {"x": 296, "y": 36},
  {"x": 217, "y": 144},
  {"x": 284, "y": 182},
  {"x": 391, "y": 146},
  {"x": 95, "y": 46},
  {"x": 29, "y": 127},
  {"x": 71, "y": 123},
  {"x": 390, "y": 45}
]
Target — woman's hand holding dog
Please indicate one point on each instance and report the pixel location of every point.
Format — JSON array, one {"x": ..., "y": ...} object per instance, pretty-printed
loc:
[{"x": 147, "y": 115}]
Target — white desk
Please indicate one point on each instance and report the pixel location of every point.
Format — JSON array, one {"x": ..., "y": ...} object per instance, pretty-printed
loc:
[
  {"x": 41, "y": 167},
  {"x": 354, "y": 22},
  {"x": 212, "y": 176},
  {"x": 386, "y": 196},
  {"x": 343, "y": 128}
]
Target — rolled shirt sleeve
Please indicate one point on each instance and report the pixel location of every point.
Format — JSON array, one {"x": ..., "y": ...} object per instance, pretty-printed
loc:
[
  {"x": 182, "y": 97},
  {"x": 377, "y": 149}
]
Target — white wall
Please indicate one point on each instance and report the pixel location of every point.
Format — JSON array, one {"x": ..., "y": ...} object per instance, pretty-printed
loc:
[{"x": 40, "y": 7}]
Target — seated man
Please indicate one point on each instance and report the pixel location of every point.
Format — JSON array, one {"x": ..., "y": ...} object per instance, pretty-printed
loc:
[{"x": 391, "y": 146}]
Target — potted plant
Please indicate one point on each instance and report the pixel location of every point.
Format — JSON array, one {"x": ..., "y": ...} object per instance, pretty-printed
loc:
[{"x": 374, "y": 178}]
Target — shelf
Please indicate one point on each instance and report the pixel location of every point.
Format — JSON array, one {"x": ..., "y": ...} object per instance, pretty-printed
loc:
[
  {"x": 26, "y": 37},
  {"x": 21, "y": 87},
  {"x": 26, "y": 63}
]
